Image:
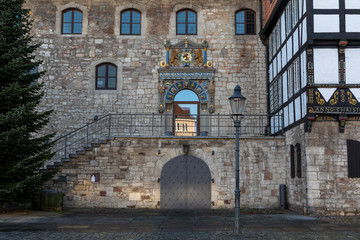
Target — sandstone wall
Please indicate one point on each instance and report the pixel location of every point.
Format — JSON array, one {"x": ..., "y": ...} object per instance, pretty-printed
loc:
[
  {"x": 296, "y": 187},
  {"x": 324, "y": 187},
  {"x": 330, "y": 189},
  {"x": 69, "y": 60},
  {"x": 129, "y": 170}
]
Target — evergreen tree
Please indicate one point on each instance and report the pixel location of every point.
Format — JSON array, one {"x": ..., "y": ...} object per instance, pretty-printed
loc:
[{"x": 21, "y": 153}]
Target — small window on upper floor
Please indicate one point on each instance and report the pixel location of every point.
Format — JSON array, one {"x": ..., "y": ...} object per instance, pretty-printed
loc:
[
  {"x": 130, "y": 22},
  {"x": 106, "y": 76},
  {"x": 186, "y": 21},
  {"x": 245, "y": 22},
  {"x": 71, "y": 21}
]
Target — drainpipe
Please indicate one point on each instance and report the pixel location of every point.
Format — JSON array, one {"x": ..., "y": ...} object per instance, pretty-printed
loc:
[{"x": 261, "y": 15}]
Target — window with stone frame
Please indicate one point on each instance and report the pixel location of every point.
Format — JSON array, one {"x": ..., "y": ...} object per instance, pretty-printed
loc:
[
  {"x": 106, "y": 76},
  {"x": 298, "y": 160},
  {"x": 130, "y": 22},
  {"x": 186, "y": 22},
  {"x": 71, "y": 21},
  {"x": 245, "y": 22},
  {"x": 292, "y": 161}
]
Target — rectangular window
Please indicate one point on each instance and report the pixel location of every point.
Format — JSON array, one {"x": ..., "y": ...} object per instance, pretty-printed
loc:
[
  {"x": 284, "y": 86},
  {"x": 298, "y": 160},
  {"x": 288, "y": 19},
  {"x": 292, "y": 161},
  {"x": 270, "y": 48},
  {"x": 353, "y": 150},
  {"x": 296, "y": 73},
  {"x": 295, "y": 12},
  {"x": 275, "y": 94},
  {"x": 290, "y": 81}
]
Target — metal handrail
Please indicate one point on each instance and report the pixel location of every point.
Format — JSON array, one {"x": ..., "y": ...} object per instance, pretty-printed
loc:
[{"x": 153, "y": 125}]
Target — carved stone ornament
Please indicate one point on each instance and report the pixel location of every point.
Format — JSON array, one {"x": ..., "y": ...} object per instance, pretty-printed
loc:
[{"x": 186, "y": 67}]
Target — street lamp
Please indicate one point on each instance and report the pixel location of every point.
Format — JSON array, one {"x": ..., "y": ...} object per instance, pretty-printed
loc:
[{"x": 237, "y": 103}]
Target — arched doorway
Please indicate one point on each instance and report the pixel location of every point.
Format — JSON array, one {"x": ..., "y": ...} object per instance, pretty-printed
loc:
[
  {"x": 186, "y": 120},
  {"x": 185, "y": 184}
]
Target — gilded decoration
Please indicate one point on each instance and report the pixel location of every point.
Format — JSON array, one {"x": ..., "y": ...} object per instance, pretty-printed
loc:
[
  {"x": 319, "y": 100},
  {"x": 342, "y": 95},
  {"x": 342, "y": 102},
  {"x": 351, "y": 99},
  {"x": 335, "y": 99},
  {"x": 311, "y": 95},
  {"x": 186, "y": 67}
]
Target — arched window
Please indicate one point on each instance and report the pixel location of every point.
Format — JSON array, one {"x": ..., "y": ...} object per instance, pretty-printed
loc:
[
  {"x": 106, "y": 76},
  {"x": 245, "y": 22},
  {"x": 71, "y": 21},
  {"x": 186, "y": 22},
  {"x": 130, "y": 22}
]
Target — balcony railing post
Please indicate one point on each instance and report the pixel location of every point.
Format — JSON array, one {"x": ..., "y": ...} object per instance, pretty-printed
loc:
[
  {"x": 152, "y": 124},
  {"x": 65, "y": 150},
  {"x": 218, "y": 124},
  {"x": 109, "y": 133},
  {"x": 131, "y": 121},
  {"x": 87, "y": 134}
]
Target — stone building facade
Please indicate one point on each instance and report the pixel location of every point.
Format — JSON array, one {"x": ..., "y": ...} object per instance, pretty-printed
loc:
[
  {"x": 70, "y": 59},
  {"x": 115, "y": 128}
]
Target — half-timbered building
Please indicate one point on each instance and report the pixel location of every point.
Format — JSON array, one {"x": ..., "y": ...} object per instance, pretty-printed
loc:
[{"x": 313, "y": 82}]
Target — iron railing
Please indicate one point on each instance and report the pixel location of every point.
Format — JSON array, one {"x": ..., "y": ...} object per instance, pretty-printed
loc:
[{"x": 155, "y": 125}]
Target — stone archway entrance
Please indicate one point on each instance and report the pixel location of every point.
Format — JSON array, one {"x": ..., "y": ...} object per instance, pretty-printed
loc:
[
  {"x": 186, "y": 114},
  {"x": 185, "y": 184}
]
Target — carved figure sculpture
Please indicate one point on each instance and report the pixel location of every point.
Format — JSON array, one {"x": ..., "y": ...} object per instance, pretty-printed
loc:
[
  {"x": 198, "y": 57},
  {"x": 174, "y": 57}
]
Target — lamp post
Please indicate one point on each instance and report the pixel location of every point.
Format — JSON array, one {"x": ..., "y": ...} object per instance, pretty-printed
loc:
[{"x": 237, "y": 103}]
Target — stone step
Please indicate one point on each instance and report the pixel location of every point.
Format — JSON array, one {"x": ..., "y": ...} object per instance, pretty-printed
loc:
[
  {"x": 65, "y": 159},
  {"x": 73, "y": 155},
  {"x": 43, "y": 171},
  {"x": 50, "y": 167},
  {"x": 95, "y": 144},
  {"x": 58, "y": 163},
  {"x": 81, "y": 152},
  {"x": 87, "y": 148}
]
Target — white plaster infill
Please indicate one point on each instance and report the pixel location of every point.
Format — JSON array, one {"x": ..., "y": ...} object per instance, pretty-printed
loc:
[
  {"x": 84, "y": 27},
  {"x": 352, "y": 22},
  {"x": 327, "y": 93},
  {"x": 326, "y": 4},
  {"x": 352, "y": 4},
  {"x": 326, "y": 23},
  {"x": 326, "y": 62}
]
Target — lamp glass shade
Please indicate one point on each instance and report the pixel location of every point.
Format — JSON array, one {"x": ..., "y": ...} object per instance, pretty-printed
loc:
[
  {"x": 237, "y": 105},
  {"x": 237, "y": 101}
]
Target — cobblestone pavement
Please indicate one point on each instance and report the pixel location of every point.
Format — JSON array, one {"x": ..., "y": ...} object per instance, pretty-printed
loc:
[{"x": 161, "y": 224}]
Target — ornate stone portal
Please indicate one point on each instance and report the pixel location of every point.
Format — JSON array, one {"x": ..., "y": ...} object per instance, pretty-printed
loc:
[{"x": 186, "y": 67}]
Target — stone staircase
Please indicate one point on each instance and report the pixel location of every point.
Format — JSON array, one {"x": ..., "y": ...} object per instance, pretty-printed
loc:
[{"x": 76, "y": 154}]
